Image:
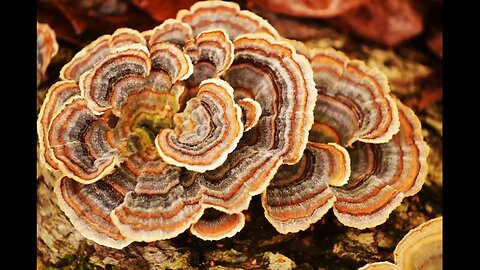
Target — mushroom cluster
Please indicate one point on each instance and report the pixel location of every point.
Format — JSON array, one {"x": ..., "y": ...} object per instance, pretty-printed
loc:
[{"x": 150, "y": 134}]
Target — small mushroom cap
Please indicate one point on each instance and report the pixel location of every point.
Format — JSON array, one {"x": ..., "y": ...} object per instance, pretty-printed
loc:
[
  {"x": 77, "y": 140},
  {"x": 353, "y": 100},
  {"x": 211, "y": 53},
  {"x": 160, "y": 207},
  {"x": 56, "y": 96},
  {"x": 96, "y": 84},
  {"x": 380, "y": 266},
  {"x": 97, "y": 50},
  {"x": 206, "y": 132},
  {"x": 216, "y": 225},
  {"x": 421, "y": 247},
  {"x": 299, "y": 195},
  {"x": 251, "y": 111},
  {"x": 211, "y": 46},
  {"x": 383, "y": 174},
  {"x": 171, "y": 31},
  {"x": 206, "y": 15},
  {"x": 315, "y": 9},
  {"x": 47, "y": 48}
]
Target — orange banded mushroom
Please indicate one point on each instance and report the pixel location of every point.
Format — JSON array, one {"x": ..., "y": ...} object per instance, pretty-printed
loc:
[
  {"x": 353, "y": 102},
  {"x": 280, "y": 80},
  {"x": 216, "y": 225},
  {"x": 47, "y": 48},
  {"x": 171, "y": 31},
  {"x": 56, "y": 96},
  {"x": 299, "y": 195},
  {"x": 98, "y": 49},
  {"x": 383, "y": 174},
  {"x": 206, "y": 15},
  {"x": 88, "y": 206},
  {"x": 206, "y": 131},
  {"x": 251, "y": 111},
  {"x": 76, "y": 138}
]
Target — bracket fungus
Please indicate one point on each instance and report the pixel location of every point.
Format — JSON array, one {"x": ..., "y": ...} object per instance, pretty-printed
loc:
[
  {"x": 383, "y": 157},
  {"x": 420, "y": 248},
  {"x": 150, "y": 134},
  {"x": 47, "y": 48}
]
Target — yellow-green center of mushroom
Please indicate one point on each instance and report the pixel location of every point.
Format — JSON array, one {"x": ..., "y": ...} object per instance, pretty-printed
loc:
[{"x": 143, "y": 115}]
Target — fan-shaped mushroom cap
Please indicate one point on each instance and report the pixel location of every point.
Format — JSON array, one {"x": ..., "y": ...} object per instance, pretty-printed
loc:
[
  {"x": 97, "y": 50},
  {"x": 280, "y": 80},
  {"x": 77, "y": 140},
  {"x": 88, "y": 206},
  {"x": 299, "y": 195},
  {"x": 421, "y": 247},
  {"x": 353, "y": 102},
  {"x": 206, "y": 15},
  {"x": 171, "y": 31},
  {"x": 216, "y": 225},
  {"x": 206, "y": 132},
  {"x": 47, "y": 48},
  {"x": 383, "y": 174},
  {"x": 56, "y": 96}
]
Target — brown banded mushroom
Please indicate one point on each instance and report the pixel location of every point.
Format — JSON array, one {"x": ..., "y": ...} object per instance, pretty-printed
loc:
[
  {"x": 251, "y": 111},
  {"x": 165, "y": 212},
  {"x": 383, "y": 174},
  {"x": 94, "y": 52},
  {"x": 388, "y": 155},
  {"x": 216, "y": 225},
  {"x": 171, "y": 31},
  {"x": 47, "y": 48},
  {"x": 353, "y": 102},
  {"x": 88, "y": 206},
  {"x": 206, "y": 131},
  {"x": 207, "y": 15},
  {"x": 211, "y": 53},
  {"x": 300, "y": 194},
  {"x": 56, "y": 96},
  {"x": 421, "y": 247},
  {"x": 249, "y": 106}
]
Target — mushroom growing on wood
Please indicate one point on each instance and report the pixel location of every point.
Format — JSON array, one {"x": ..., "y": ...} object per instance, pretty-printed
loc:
[
  {"x": 117, "y": 117},
  {"x": 421, "y": 247},
  {"x": 150, "y": 134},
  {"x": 384, "y": 159}
]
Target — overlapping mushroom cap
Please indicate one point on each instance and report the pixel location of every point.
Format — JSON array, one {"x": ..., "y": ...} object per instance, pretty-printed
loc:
[
  {"x": 375, "y": 154},
  {"x": 47, "y": 48},
  {"x": 150, "y": 134},
  {"x": 138, "y": 160}
]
